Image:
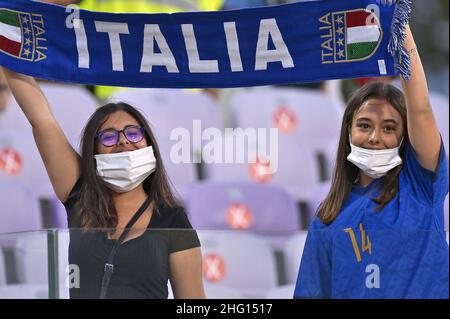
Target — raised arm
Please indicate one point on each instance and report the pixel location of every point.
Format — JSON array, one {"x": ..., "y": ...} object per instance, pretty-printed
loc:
[
  {"x": 422, "y": 129},
  {"x": 60, "y": 159}
]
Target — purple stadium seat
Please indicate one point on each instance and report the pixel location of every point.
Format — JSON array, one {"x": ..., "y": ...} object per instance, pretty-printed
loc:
[
  {"x": 295, "y": 170},
  {"x": 318, "y": 195},
  {"x": 168, "y": 109},
  {"x": 24, "y": 291},
  {"x": 181, "y": 175},
  {"x": 20, "y": 162},
  {"x": 440, "y": 105},
  {"x": 173, "y": 112},
  {"x": 308, "y": 125},
  {"x": 59, "y": 214},
  {"x": 219, "y": 292},
  {"x": 293, "y": 251},
  {"x": 2, "y": 269},
  {"x": 241, "y": 261},
  {"x": 19, "y": 208},
  {"x": 304, "y": 117},
  {"x": 241, "y": 206},
  {"x": 307, "y": 116},
  {"x": 281, "y": 292},
  {"x": 31, "y": 259}
]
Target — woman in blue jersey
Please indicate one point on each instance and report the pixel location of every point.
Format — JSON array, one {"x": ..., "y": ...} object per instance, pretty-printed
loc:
[{"x": 379, "y": 233}]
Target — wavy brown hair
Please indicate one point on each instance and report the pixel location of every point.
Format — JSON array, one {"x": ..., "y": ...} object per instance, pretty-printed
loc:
[
  {"x": 345, "y": 172},
  {"x": 94, "y": 201}
]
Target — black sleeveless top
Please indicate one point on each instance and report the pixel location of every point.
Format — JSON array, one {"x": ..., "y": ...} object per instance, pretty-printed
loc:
[{"x": 141, "y": 265}]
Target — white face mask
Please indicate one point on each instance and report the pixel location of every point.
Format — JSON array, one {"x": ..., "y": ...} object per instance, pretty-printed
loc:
[
  {"x": 123, "y": 172},
  {"x": 375, "y": 163}
]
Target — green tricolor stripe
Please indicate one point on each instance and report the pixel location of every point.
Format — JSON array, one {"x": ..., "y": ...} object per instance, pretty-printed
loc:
[
  {"x": 360, "y": 50},
  {"x": 11, "y": 18}
]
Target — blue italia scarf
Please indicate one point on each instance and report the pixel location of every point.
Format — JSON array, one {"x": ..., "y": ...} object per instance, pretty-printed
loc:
[{"x": 293, "y": 43}]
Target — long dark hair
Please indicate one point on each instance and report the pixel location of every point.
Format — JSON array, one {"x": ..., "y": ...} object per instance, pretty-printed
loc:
[
  {"x": 345, "y": 173},
  {"x": 95, "y": 204}
]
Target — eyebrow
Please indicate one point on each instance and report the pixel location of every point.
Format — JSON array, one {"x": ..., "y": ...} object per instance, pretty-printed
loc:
[
  {"x": 369, "y": 120},
  {"x": 114, "y": 128}
]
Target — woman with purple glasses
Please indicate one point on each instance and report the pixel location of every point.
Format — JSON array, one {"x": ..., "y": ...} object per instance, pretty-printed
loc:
[{"x": 119, "y": 184}]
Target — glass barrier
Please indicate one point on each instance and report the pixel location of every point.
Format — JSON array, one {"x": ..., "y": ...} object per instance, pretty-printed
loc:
[{"x": 62, "y": 264}]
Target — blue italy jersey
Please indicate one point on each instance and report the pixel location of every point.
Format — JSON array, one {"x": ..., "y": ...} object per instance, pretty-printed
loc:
[{"x": 398, "y": 252}]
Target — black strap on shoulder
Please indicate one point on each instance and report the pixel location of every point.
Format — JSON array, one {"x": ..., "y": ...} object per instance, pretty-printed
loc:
[{"x": 109, "y": 265}]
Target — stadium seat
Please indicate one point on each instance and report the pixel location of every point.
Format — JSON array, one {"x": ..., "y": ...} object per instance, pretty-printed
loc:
[
  {"x": 228, "y": 263},
  {"x": 281, "y": 292},
  {"x": 19, "y": 208},
  {"x": 171, "y": 114},
  {"x": 308, "y": 125},
  {"x": 24, "y": 291},
  {"x": 302, "y": 116},
  {"x": 20, "y": 162},
  {"x": 266, "y": 210},
  {"x": 318, "y": 196},
  {"x": 167, "y": 110},
  {"x": 242, "y": 206},
  {"x": 295, "y": 170},
  {"x": 214, "y": 292},
  {"x": 292, "y": 255},
  {"x": 2, "y": 269},
  {"x": 181, "y": 175},
  {"x": 439, "y": 103},
  {"x": 31, "y": 257},
  {"x": 219, "y": 292},
  {"x": 32, "y": 260},
  {"x": 59, "y": 214}
]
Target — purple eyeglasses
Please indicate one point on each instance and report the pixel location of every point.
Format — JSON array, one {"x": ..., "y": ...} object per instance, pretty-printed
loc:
[{"x": 110, "y": 136}]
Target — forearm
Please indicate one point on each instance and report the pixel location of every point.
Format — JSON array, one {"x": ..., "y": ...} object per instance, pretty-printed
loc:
[
  {"x": 416, "y": 89},
  {"x": 422, "y": 129},
  {"x": 60, "y": 160}
]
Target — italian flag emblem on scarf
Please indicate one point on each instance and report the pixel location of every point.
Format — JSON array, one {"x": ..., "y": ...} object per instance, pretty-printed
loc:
[
  {"x": 357, "y": 35},
  {"x": 18, "y": 35}
]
